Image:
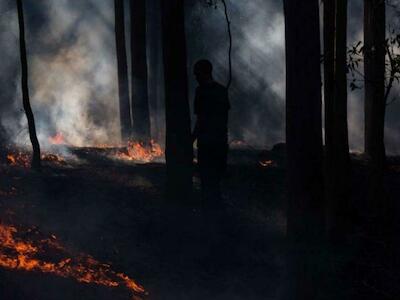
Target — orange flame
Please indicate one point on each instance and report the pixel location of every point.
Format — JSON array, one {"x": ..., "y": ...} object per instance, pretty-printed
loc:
[
  {"x": 19, "y": 254},
  {"x": 137, "y": 151},
  {"x": 57, "y": 139},
  {"x": 23, "y": 159},
  {"x": 19, "y": 159}
]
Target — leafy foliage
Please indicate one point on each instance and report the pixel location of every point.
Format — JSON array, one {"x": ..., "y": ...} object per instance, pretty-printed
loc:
[{"x": 392, "y": 64}]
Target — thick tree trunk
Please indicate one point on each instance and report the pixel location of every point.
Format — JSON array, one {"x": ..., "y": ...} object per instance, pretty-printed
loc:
[
  {"x": 123, "y": 82},
  {"x": 303, "y": 118},
  {"x": 305, "y": 217},
  {"x": 140, "y": 98},
  {"x": 36, "y": 159},
  {"x": 374, "y": 65},
  {"x": 374, "y": 39},
  {"x": 337, "y": 145},
  {"x": 179, "y": 149}
]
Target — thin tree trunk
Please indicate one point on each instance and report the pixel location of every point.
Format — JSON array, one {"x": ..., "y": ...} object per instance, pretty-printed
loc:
[
  {"x": 36, "y": 159},
  {"x": 374, "y": 65},
  {"x": 305, "y": 216},
  {"x": 156, "y": 78},
  {"x": 329, "y": 72},
  {"x": 337, "y": 180},
  {"x": 3, "y": 150},
  {"x": 179, "y": 149},
  {"x": 140, "y": 98},
  {"x": 123, "y": 82}
]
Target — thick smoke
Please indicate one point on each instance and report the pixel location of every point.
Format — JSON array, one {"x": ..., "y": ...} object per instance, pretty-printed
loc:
[
  {"x": 72, "y": 62},
  {"x": 72, "y": 71}
]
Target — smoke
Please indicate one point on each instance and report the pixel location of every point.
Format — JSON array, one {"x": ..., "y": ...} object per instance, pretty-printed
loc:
[
  {"x": 72, "y": 63},
  {"x": 72, "y": 71},
  {"x": 257, "y": 93}
]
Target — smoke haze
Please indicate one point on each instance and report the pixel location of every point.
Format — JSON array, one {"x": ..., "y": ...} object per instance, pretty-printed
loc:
[{"x": 73, "y": 80}]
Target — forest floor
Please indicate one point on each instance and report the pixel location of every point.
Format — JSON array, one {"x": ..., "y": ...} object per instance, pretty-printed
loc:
[{"x": 115, "y": 212}]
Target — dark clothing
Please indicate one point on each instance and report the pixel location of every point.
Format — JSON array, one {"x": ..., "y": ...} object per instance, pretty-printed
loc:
[{"x": 211, "y": 107}]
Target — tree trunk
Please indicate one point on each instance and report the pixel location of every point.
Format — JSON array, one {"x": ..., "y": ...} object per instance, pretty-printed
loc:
[
  {"x": 303, "y": 117},
  {"x": 329, "y": 72},
  {"x": 36, "y": 159},
  {"x": 374, "y": 65},
  {"x": 337, "y": 145},
  {"x": 156, "y": 78},
  {"x": 374, "y": 46},
  {"x": 3, "y": 147},
  {"x": 305, "y": 217},
  {"x": 123, "y": 82},
  {"x": 140, "y": 98},
  {"x": 179, "y": 148}
]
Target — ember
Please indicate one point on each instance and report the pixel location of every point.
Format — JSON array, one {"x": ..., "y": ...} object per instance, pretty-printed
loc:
[
  {"x": 17, "y": 253},
  {"x": 23, "y": 159},
  {"x": 267, "y": 163},
  {"x": 53, "y": 158},
  {"x": 136, "y": 151},
  {"x": 19, "y": 159}
]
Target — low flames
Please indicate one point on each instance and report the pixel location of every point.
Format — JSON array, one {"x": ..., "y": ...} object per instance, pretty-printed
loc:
[
  {"x": 140, "y": 152},
  {"x": 23, "y": 159},
  {"x": 30, "y": 250}
]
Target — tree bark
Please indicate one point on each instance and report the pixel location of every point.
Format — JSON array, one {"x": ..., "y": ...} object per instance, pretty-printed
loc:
[
  {"x": 374, "y": 65},
  {"x": 123, "y": 82},
  {"x": 305, "y": 216},
  {"x": 155, "y": 78},
  {"x": 140, "y": 98},
  {"x": 179, "y": 148},
  {"x": 36, "y": 158},
  {"x": 3, "y": 147},
  {"x": 337, "y": 145},
  {"x": 374, "y": 47},
  {"x": 303, "y": 118},
  {"x": 329, "y": 10}
]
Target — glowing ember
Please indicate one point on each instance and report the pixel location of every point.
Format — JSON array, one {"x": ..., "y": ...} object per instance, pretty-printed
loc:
[
  {"x": 53, "y": 158},
  {"x": 137, "y": 151},
  {"x": 19, "y": 159},
  {"x": 58, "y": 139},
  {"x": 34, "y": 253},
  {"x": 23, "y": 159},
  {"x": 267, "y": 163}
]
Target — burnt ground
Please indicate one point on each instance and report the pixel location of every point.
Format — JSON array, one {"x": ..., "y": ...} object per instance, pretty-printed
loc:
[{"x": 116, "y": 212}]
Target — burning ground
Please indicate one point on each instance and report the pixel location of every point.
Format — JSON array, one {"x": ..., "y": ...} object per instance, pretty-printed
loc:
[
  {"x": 92, "y": 216},
  {"x": 96, "y": 226}
]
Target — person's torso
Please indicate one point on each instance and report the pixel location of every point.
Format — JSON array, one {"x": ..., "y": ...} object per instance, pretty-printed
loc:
[{"x": 212, "y": 106}]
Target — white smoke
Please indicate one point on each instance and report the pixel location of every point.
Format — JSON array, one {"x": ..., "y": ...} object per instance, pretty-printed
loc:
[
  {"x": 71, "y": 48},
  {"x": 72, "y": 71}
]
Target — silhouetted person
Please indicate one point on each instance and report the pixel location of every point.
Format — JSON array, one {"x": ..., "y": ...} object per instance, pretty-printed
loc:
[{"x": 211, "y": 107}]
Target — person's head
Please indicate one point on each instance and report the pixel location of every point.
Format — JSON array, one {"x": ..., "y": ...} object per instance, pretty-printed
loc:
[{"x": 203, "y": 71}]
